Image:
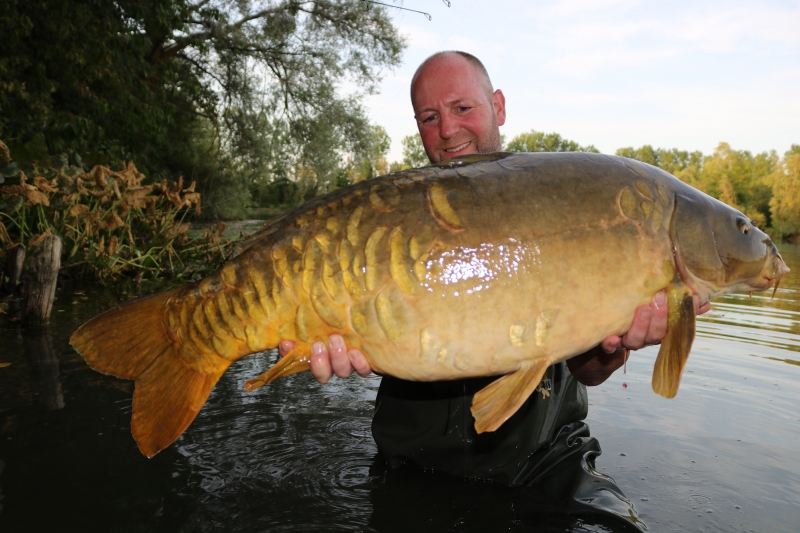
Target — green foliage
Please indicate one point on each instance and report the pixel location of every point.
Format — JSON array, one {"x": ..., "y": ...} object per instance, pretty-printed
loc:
[
  {"x": 77, "y": 73},
  {"x": 762, "y": 186},
  {"x": 414, "y": 154},
  {"x": 234, "y": 94},
  {"x": 280, "y": 192},
  {"x": 373, "y": 163},
  {"x": 681, "y": 163},
  {"x": 537, "y": 141},
  {"x": 785, "y": 202},
  {"x": 739, "y": 179}
]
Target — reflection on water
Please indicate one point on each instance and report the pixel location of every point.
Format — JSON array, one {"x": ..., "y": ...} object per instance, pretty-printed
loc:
[
  {"x": 298, "y": 456},
  {"x": 43, "y": 363}
]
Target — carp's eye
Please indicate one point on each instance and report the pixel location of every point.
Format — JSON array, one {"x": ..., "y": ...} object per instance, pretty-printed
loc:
[{"x": 743, "y": 225}]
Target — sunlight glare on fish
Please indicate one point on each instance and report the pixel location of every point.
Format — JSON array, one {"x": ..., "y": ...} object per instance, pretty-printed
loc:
[{"x": 485, "y": 263}]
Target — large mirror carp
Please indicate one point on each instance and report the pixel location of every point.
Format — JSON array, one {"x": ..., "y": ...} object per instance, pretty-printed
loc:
[{"x": 500, "y": 264}]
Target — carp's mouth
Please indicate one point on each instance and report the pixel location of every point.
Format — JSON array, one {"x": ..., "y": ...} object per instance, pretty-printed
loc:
[
  {"x": 763, "y": 283},
  {"x": 774, "y": 269}
]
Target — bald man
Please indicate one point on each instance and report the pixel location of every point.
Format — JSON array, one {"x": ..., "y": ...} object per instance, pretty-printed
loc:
[{"x": 429, "y": 424}]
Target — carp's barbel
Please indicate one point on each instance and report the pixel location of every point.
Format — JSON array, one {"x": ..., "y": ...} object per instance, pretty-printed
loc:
[{"x": 500, "y": 264}]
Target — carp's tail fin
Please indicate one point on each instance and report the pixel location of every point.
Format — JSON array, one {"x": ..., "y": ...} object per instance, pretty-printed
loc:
[{"x": 131, "y": 342}]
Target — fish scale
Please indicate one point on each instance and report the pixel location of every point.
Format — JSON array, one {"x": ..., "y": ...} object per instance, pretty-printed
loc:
[
  {"x": 492, "y": 265},
  {"x": 320, "y": 303}
]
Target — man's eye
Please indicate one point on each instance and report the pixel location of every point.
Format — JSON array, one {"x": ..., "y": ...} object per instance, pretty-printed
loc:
[
  {"x": 429, "y": 118},
  {"x": 463, "y": 108}
]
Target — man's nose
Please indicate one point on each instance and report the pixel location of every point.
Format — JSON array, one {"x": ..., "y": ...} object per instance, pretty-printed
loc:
[{"x": 448, "y": 126}]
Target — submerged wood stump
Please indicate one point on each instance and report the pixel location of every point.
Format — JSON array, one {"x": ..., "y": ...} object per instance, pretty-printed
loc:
[
  {"x": 40, "y": 282},
  {"x": 15, "y": 259}
]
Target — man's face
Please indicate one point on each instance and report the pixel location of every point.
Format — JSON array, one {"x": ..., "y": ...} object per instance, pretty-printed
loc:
[{"x": 454, "y": 113}]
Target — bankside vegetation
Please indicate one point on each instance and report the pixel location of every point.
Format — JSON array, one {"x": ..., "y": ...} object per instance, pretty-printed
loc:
[
  {"x": 111, "y": 224},
  {"x": 234, "y": 95}
]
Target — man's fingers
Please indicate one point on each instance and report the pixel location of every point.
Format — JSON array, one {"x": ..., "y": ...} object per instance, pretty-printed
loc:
[
  {"x": 340, "y": 361},
  {"x": 634, "y": 338},
  {"x": 611, "y": 344},
  {"x": 657, "y": 328},
  {"x": 700, "y": 309},
  {"x": 285, "y": 347},
  {"x": 338, "y": 353},
  {"x": 359, "y": 362},
  {"x": 331, "y": 359},
  {"x": 320, "y": 363}
]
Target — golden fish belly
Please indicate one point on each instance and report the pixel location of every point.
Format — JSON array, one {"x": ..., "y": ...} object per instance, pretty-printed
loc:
[{"x": 486, "y": 309}]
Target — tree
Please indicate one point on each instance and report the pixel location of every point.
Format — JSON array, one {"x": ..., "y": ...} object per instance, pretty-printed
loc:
[
  {"x": 683, "y": 164},
  {"x": 785, "y": 202},
  {"x": 414, "y": 154},
  {"x": 537, "y": 141},
  {"x": 211, "y": 88},
  {"x": 737, "y": 178},
  {"x": 374, "y": 163}
]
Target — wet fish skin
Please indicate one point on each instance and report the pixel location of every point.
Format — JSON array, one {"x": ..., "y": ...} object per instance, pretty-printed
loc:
[{"x": 501, "y": 264}]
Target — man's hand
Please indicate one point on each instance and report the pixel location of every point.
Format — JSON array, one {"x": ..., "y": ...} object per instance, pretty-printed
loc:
[
  {"x": 649, "y": 327},
  {"x": 332, "y": 359}
]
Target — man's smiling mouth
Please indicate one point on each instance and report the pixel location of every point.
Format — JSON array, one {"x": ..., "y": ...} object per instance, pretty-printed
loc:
[{"x": 458, "y": 148}]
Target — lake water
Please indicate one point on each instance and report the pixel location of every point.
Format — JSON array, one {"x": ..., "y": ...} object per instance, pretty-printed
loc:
[{"x": 298, "y": 456}]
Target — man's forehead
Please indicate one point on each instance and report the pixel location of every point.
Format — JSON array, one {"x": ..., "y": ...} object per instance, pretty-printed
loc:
[
  {"x": 448, "y": 78},
  {"x": 450, "y": 69}
]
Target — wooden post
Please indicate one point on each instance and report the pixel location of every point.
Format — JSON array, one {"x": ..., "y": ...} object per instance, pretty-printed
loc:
[
  {"x": 39, "y": 287},
  {"x": 15, "y": 258}
]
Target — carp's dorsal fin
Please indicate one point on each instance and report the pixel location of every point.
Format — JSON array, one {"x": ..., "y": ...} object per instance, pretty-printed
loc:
[
  {"x": 496, "y": 402},
  {"x": 676, "y": 345}
]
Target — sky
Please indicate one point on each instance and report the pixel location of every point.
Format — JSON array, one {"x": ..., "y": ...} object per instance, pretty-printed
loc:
[{"x": 617, "y": 73}]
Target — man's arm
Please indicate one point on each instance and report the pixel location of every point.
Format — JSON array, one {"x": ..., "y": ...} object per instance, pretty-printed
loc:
[{"x": 590, "y": 368}]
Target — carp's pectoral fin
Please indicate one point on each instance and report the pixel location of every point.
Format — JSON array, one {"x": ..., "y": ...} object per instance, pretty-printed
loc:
[
  {"x": 293, "y": 362},
  {"x": 676, "y": 345},
  {"x": 495, "y": 403}
]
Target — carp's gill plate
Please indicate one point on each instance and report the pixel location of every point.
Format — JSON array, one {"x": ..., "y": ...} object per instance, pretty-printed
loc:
[{"x": 496, "y": 264}]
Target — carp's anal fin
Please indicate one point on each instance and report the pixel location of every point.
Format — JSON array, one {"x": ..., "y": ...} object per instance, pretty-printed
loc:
[
  {"x": 495, "y": 403},
  {"x": 293, "y": 362},
  {"x": 676, "y": 345}
]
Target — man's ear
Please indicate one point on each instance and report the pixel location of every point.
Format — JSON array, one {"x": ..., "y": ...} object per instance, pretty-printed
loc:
[{"x": 499, "y": 102}]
